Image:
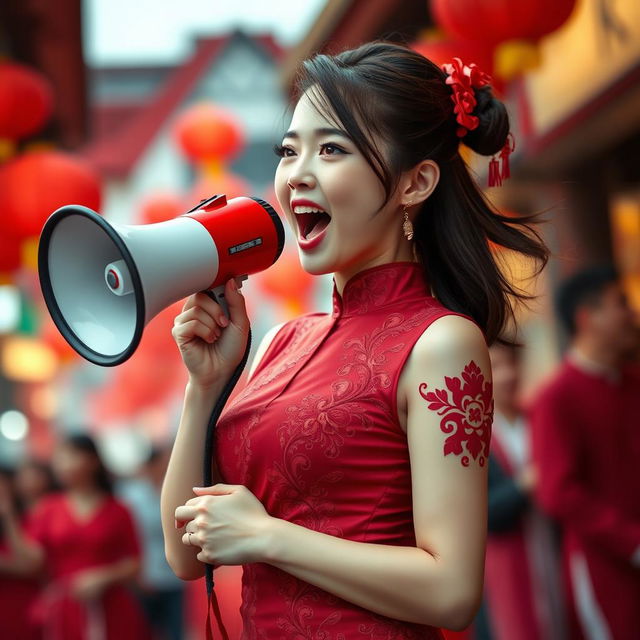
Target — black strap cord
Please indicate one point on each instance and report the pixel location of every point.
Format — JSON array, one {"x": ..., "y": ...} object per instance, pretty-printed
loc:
[{"x": 207, "y": 471}]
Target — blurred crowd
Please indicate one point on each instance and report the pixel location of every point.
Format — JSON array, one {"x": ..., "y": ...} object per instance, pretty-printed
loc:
[{"x": 82, "y": 555}]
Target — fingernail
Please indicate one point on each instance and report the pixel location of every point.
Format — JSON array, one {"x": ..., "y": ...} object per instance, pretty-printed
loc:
[
  {"x": 224, "y": 321},
  {"x": 179, "y": 524}
]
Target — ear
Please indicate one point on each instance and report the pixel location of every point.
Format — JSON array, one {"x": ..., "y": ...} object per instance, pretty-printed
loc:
[{"x": 419, "y": 182}]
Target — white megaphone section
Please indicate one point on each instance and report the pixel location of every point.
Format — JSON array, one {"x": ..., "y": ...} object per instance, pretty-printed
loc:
[{"x": 103, "y": 282}]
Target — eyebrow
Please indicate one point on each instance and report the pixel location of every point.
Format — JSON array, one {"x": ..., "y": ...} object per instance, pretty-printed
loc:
[{"x": 323, "y": 131}]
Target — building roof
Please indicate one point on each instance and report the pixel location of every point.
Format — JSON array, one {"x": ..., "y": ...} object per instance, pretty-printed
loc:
[{"x": 115, "y": 153}]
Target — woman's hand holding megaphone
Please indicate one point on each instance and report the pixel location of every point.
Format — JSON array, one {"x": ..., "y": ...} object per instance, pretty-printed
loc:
[{"x": 212, "y": 345}]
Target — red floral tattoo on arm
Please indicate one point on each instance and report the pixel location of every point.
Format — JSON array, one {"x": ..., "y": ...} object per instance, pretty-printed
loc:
[{"x": 467, "y": 415}]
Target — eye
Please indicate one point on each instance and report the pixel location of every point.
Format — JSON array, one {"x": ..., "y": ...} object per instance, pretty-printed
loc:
[
  {"x": 330, "y": 146},
  {"x": 281, "y": 150}
]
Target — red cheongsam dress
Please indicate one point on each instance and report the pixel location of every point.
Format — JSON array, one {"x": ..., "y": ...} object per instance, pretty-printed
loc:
[
  {"x": 315, "y": 436},
  {"x": 71, "y": 546}
]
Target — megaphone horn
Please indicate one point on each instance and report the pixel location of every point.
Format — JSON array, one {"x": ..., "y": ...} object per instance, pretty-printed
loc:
[{"x": 103, "y": 282}]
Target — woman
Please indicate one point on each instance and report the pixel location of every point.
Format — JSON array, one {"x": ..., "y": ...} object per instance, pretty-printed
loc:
[
  {"x": 353, "y": 463},
  {"x": 83, "y": 539}
]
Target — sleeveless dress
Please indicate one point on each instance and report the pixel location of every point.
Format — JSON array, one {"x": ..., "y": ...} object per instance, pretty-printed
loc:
[{"x": 315, "y": 436}]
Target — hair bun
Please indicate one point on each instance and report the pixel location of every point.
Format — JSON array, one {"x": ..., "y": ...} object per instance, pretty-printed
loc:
[{"x": 491, "y": 133}]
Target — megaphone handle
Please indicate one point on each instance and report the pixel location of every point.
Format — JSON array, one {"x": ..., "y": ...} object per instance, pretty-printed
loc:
[{"x": 219, "y": 297}]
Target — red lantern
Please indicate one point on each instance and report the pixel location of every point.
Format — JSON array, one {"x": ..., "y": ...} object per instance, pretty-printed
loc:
[
  {"x": 10, "y": 253},
  {"x": 34, "y": 185},
  {"x": 496, "y": 21},
  {"x": 206, "y": 132},
  {"x": 443, "y": 51},
  {"x": 26, "y": 100},
  {"x": 161, "y": 207}
]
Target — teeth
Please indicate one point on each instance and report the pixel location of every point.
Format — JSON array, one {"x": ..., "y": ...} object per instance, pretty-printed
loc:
[{"x": 302, "y": 209}]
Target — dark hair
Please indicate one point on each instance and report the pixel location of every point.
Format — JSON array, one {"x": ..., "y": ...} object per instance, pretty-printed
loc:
[
  {"x": 412, "y": 110},
  {"x": 584, "y": 288},
  {"x": 8, "y": 474},
  {"x": 86, "y": 444}
]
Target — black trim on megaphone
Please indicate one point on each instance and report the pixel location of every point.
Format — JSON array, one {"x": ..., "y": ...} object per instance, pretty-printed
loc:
[
  {"x": 49, "y": 297},
  {"x": 277, "y": 223}
]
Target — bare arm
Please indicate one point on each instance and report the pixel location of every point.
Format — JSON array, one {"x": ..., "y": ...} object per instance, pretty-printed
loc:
[
  {"x": 202, "y": 392},
  {"x": 184, "y": 472}
]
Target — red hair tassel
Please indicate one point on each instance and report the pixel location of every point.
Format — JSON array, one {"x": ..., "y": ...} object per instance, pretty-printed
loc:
[
  {"x": 506, "y": 151},
  {"x": 494, "y": 173}
]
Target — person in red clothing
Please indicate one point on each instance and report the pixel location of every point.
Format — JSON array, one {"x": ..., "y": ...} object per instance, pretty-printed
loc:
[
  {"x": 352, "y": 465},
  {"x": 522, "y": 581},
  {"x": 586, "y": 445},
  {"x": 18, "y": 589},
  {"x": 83, "y": 541}
]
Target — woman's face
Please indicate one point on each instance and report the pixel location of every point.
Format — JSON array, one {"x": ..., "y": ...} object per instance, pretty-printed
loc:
[
  {"x": 324, "y": 167},
  {"x": 72, "y": 467}
]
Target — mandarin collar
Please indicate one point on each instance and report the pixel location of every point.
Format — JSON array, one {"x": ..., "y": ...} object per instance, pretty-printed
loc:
[{"x": 389, "y": 284}]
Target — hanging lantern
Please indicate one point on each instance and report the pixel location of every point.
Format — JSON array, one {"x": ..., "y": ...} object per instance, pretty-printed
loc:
[
  {"x": 205, "y": 132},
  {"x": 442, "y": 51},
  {"x": 10, "y": 255},
  {"x": 26, "y": 101},
  {"x": 161, "y": 207},
  {"x": 496, "y": 23},
  {"x": 35, "y": 184}
]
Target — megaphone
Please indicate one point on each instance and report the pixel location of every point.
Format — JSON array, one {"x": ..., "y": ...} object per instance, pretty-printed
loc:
[{"x": 103, "y": 282}]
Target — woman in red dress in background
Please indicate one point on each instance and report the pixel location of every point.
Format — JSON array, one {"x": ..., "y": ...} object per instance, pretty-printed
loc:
[
  {"x": 353, "y": 463},
  {"x": 83, "y": 542}
]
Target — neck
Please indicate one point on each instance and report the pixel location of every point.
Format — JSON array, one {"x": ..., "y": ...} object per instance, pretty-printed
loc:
[
  {"x": 589, "y": 353},
  {"x": 404, "y": 253},
  {"x": 84, "y": 492}
]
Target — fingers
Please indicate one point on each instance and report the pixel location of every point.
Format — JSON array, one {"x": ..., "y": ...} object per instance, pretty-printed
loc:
[
  {"x": 209, "y": 305},
  {"x": 236, "y": 303},
  {"x": 185, "y": 513},
  {"x": 196, "y": 321}
]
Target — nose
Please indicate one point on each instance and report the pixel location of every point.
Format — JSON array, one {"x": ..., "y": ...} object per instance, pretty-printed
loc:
[{"x": 300, "y": 175}]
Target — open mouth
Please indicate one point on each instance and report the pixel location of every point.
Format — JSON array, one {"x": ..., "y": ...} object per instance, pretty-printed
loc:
[{"x": 313, "y": 223}]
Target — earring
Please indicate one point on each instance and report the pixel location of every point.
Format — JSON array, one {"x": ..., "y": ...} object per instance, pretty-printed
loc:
[{"x": 407, "y": 227}]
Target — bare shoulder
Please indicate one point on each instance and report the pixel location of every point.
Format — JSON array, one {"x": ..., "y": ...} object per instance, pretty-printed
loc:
[
  {"x": 449, "y": 337},
  {"x": 446, "y": 348}
]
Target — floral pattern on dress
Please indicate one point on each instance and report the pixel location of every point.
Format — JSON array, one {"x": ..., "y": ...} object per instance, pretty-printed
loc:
[
  {"x": 467, "y": 416},
  {"x": 325, "y": 422}
]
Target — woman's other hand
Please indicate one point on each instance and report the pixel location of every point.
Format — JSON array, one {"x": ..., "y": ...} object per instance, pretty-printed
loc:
[
  {"x": 212, "y": 345},
  {"x": 227, "y": 522}
]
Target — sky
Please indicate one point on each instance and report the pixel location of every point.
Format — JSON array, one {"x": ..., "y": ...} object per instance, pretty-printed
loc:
[{"x": 162, "y": 31}]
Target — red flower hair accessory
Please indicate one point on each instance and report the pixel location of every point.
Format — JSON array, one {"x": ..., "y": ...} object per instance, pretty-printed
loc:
[{"x": 463, "y": 78}]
